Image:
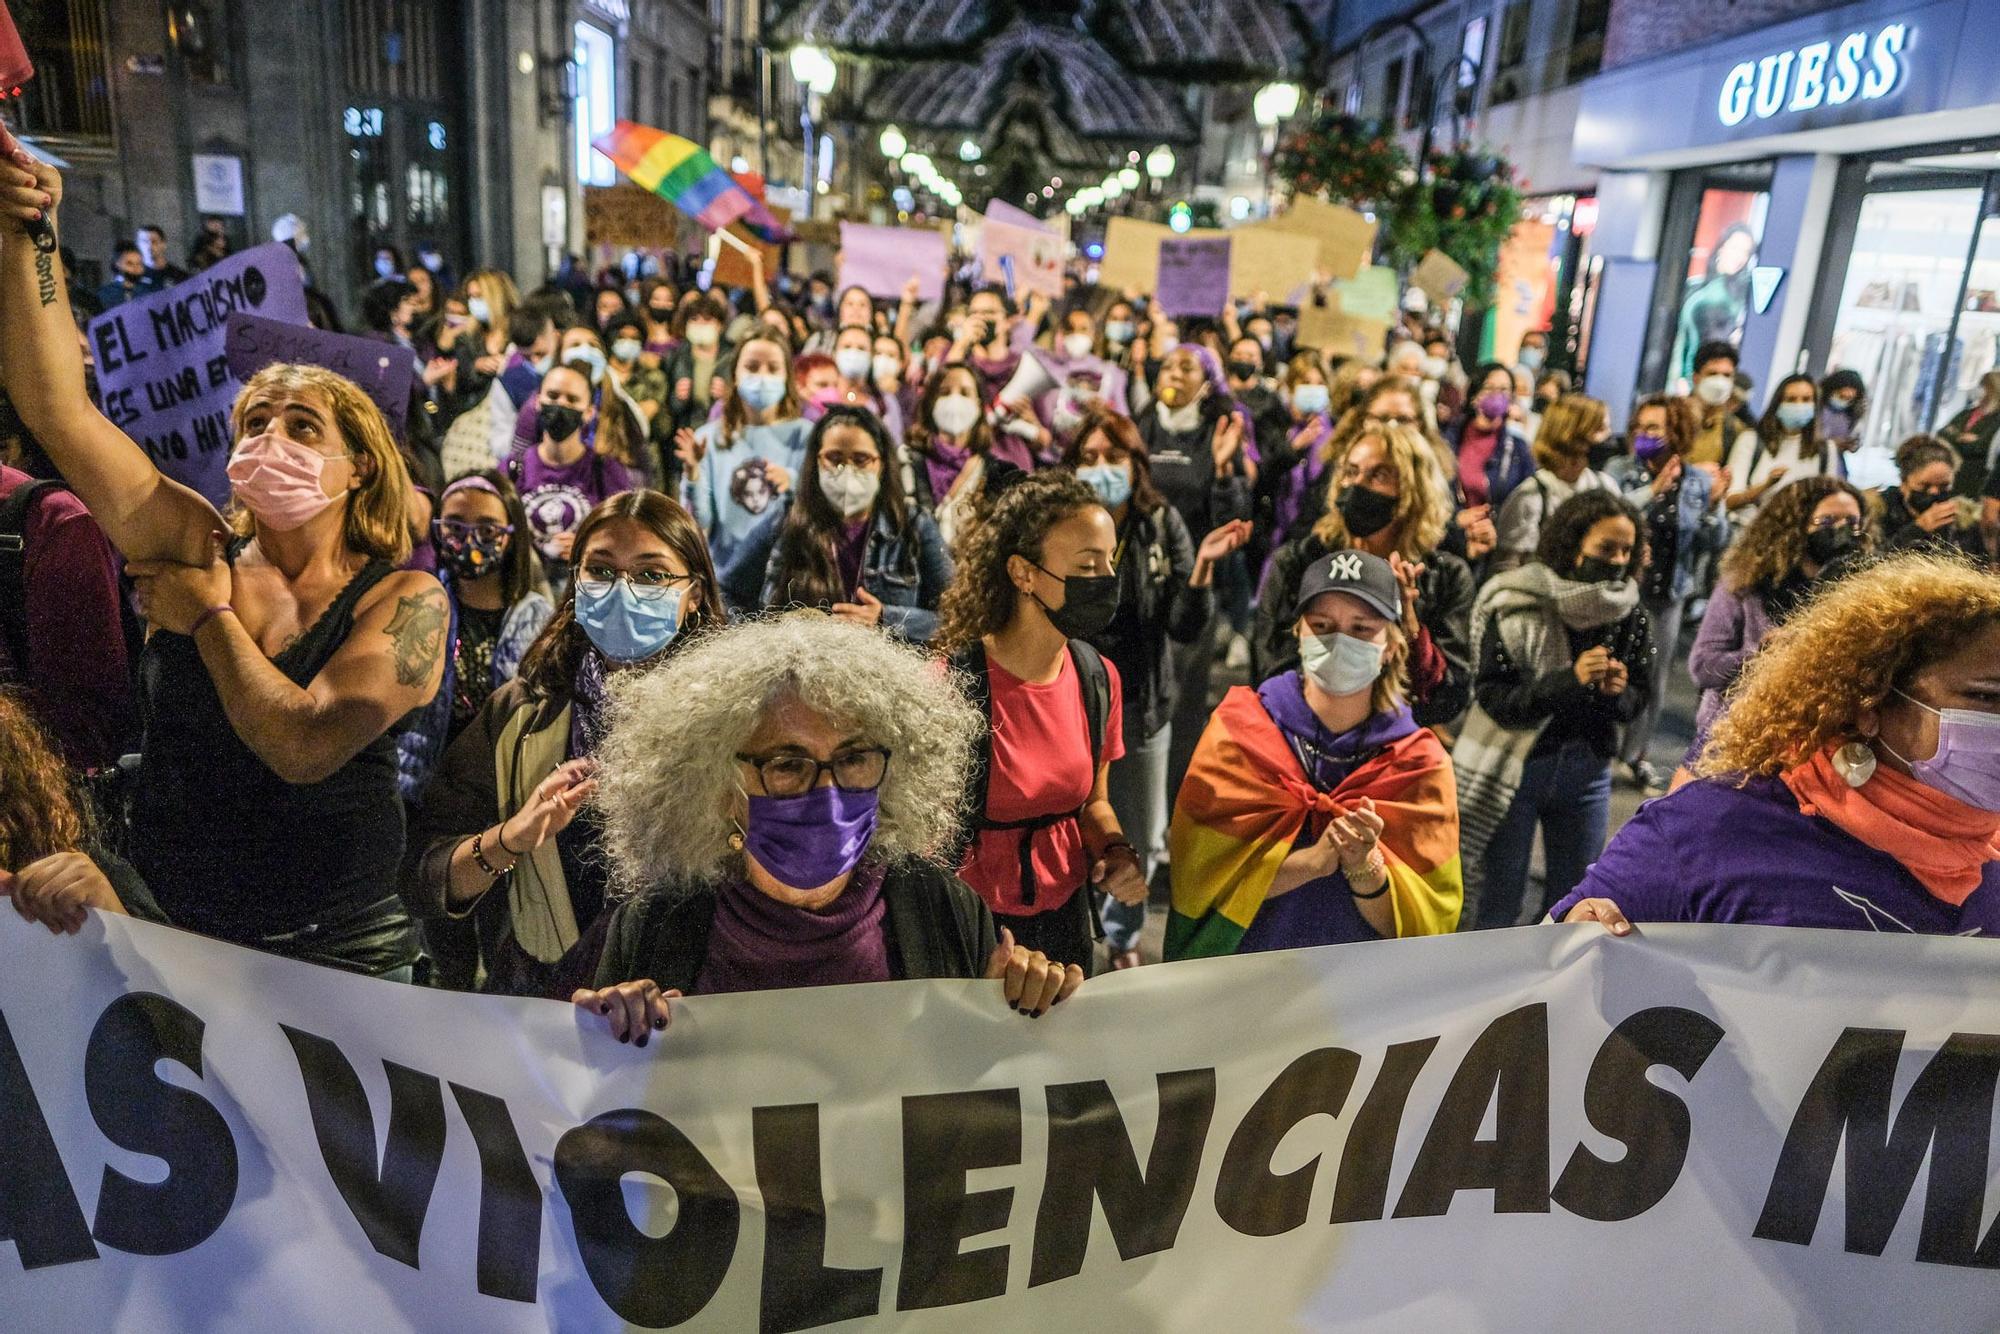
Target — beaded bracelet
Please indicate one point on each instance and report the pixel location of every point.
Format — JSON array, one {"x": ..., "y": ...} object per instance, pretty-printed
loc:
[
  {"x": 1376, "y": 866},
  {"x": 479, "y": 855}
]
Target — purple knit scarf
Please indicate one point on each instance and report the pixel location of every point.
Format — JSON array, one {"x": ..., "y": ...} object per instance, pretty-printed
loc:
[{"x": 759, "y": 944}]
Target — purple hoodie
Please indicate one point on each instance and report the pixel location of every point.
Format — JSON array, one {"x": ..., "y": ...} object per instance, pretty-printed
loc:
[{"x": 1713, "y": 852}]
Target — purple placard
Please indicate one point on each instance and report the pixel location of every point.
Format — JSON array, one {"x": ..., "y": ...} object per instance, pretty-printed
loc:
[
  {"x": 382, "y": 370},
  {"x": 883, "y": 259},
  {"x": 163, "y": 369},
  {"x": 1194, "y": 275}
]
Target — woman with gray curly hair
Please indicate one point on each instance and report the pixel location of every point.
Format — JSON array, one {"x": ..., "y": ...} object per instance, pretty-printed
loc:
[{"x": 783, "y": 790}]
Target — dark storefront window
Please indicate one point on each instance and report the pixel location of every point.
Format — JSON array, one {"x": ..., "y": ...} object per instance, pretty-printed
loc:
[
  {"x": 1714, "y": 225},
  {"x": 402, "y": 131},
  {"x": 71, "y": 90},
  {"x": 1586, "y": 39}
]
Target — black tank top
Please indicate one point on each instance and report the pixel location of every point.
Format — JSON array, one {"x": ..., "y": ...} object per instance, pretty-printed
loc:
[{"x": 232, "y": 850}]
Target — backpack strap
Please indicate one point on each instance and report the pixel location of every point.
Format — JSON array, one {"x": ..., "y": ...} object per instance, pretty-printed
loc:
[
  {"x": 1095, "y": 684},
  {"x": 14, "y": 567},
  {"x": 971, "y": 663}
]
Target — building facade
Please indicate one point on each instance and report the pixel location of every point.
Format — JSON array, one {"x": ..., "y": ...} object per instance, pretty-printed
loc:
[
  {"x": 1816, "y": 189},
  {"x": 459, "y": 126}
]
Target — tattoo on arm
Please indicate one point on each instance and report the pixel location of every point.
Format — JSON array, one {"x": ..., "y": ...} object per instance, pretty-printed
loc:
[
  {"x": 45, "y": 277},
  {"x": 417, "y": 630}
]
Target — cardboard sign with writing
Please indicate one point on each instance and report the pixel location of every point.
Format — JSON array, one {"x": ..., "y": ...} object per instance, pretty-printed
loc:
[
  {"x": 628, "y": 215},
  {"x": 1034, "y": 254},
  {"x": 1346, "y": 239},
  {"x": 1439, "y": 277},
  {"x": 1194, "y": 275},
  {"x": 163, "y": 367},
  {"x": 382, "y": 370},
  {"x": 883, "y": 259}
]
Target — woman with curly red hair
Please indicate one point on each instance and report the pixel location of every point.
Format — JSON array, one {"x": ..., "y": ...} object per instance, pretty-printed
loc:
[{"x": 1856, "y": 774}]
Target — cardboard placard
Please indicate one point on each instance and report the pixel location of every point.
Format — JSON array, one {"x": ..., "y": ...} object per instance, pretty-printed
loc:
[
  {"x": 732, "y": 265},
  {"x": 629, "y": 215},
  {"x": 1270, "y": 260},
  {"x": 1439, "y": 277},
  {"x": 1131, "y": 260},
  {"x": 1334, "y": 332},
  {"x": 1346, "y": 239},
  {"x": 1035, "y": 256},
  {"x": 1369, "y": 294}
]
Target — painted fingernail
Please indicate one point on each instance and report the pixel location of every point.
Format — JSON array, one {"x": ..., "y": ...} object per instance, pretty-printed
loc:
[
  {"x": 659, "y": 1023},
  {"x": 1013, "y": 1005},
  {"x": 604, "y": 1009},
  {"x": 644, "y": 1038}
]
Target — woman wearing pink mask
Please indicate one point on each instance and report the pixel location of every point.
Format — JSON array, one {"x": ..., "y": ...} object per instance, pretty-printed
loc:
[{"x": 288, "y": 643}]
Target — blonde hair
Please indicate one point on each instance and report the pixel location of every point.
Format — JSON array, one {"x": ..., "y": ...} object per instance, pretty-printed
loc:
[
  {"x": 378, "y": 511},
  {"x": 1845, "y": 652},
  {"x": 1420, "y": 509},
  {"x": 1567, "y": 428},
  {"x": 502, "y": 297}
]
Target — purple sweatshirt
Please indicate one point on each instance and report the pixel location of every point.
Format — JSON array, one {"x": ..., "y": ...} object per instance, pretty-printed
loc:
[
  {"x": 1713, "y": 852},
  {"x": 1731, "y": 630}
]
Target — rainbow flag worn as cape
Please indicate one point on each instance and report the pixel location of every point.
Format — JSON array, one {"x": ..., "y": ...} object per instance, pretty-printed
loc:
[
  {"x": 680, "y": 172},
  {"x": 1247, "y": 802}
]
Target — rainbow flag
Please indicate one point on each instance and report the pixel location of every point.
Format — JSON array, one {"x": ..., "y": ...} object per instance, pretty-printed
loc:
[
  {"x": 1246, "y": 802},
  {"x": 680, "y": 172}
]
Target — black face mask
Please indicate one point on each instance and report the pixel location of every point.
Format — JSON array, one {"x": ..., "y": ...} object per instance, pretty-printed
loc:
[
  {"x": 1365, "y": 512},
  {"x": 1922, "y": 501},
  {"x": 1603, "y": 451},
  {"x": 1825, "y": 545},
  {"x": 1089, "y": 602},
  {"x": 1245, "y": 370},
  {"x": 553, "y": 421},
  {"x": 1597, "y": 570}
]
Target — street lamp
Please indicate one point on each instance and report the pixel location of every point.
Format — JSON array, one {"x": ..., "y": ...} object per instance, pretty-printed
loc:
[
  {"x": 893, "y": 144},
  {"x": 1275, "y": 102},
  {"x": 1129, "y": 178},
  {"x": 968, "y": 151},
  {"x": 1160, "y": 163},
  {"x": 814, "y": 68}
]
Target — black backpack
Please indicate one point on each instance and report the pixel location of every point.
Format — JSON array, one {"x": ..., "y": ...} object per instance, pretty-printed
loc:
[{"x": 1095, "y": 683}]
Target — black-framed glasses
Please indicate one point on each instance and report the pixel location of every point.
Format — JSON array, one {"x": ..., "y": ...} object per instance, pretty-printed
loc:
[
  {"x": 647, "y": 585},
  {"x": 858, "y": 770},
  {"x": 1847, "y": 521},
  {"x": 485, "y": 530}
]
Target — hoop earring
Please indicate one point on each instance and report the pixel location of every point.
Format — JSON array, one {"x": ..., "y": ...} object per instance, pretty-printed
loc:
[
  {"x": 1855, "y": 763},
  {"x": 736, "y": 842}
]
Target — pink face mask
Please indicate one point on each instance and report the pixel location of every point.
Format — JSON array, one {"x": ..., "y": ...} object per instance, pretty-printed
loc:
[{"x": 278, "y": 481}]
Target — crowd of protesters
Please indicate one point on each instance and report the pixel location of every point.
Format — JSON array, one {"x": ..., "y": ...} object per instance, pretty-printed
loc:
[{"x": 693, "y": 640}]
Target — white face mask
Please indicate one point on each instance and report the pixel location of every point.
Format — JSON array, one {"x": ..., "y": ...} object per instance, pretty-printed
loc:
[
  {"x": 703, "y": 335},
  {"x": 852, "y": 362},
  {"x": 886, "y": 367},
  {"x": 955, "y": 414},
  {"x": 1077, "y": 344},
  {"x": 1433, "y": 368},
  {"x": 852, "y": 490},
  {"x": 1715, "y": 390},
  {"x": 1340, "y": 664}
]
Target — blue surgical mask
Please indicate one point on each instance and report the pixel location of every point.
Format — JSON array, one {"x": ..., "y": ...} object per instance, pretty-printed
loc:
[
  {"x": 623, "y": 626},
  {"x": 760, "y": 393},
  {"x": 584, "y": 354},
  {"x": 1111, "y": 481},
  {"x": 479, "y": 310},
  {"x": 1310, "y": 399},
  {"x": 1796, "y": 416},
  {"x": 1118, "y": 331}
]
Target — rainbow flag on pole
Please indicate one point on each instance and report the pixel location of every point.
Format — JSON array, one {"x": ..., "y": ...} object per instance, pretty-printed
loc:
[{"x": 680, "y": 172}]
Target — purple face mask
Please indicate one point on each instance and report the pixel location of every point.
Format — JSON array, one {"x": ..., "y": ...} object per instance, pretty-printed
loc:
[
  {"x": 1493, "y": 406},
  {"x": 811, "y": 839},
  {"x": 1649, "y": 447},
  {"x": 1967, "y": 763}
]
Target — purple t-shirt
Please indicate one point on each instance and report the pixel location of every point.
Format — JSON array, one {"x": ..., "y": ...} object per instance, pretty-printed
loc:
[
  {"x": 557, "y": 498},
  {"x": 1713, "y": 852}
]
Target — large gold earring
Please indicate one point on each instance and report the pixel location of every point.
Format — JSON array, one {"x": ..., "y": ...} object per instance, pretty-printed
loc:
[
  {"x": 1855, "y": 763},
  {"x": 736, "y": 842}
]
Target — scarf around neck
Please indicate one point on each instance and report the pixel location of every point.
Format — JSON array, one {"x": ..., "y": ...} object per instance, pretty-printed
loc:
[
  {"x": 759, "y": 944},
  {"x": 1940, "y": 840}
]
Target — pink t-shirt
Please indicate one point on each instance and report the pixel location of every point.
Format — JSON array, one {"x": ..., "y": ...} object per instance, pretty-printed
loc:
[
  {"x": 1475, "y": 450},
  {"x": 1041, "y": 767}
]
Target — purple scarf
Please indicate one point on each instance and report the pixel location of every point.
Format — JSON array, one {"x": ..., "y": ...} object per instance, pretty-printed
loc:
[
  {"x": 759, "y": 944},
  {"x": 944, "y": 463},
  {"x": 1328, "y": 759}
]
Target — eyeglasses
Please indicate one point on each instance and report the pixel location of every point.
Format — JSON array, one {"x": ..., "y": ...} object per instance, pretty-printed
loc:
[
  {"x": 647, "y": 585},
  {"x": 1847, "y": 521},
  {"x": 859, "y": 770},
  {"x": 485, "y": 530}
]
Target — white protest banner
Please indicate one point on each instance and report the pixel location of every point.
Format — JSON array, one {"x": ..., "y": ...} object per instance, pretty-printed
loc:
[
  {"x": 1697, "y": 1128},
  {"x": 163, "y": 365}
]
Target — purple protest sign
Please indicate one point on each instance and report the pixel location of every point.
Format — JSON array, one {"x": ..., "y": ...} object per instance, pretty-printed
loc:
[
  {"x": 1194, "y": 275},
  {"x": 382, "y": 370},
  {"x": 882, "y": 259},
  {"x": 163, "y": 370}
]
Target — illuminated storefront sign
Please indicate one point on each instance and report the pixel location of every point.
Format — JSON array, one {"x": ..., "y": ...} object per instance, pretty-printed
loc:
[{"x": 1860, "y": 65}]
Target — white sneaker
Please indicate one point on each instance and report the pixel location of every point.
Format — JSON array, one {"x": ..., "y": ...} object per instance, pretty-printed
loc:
[{"x": 1238, "y": 657}]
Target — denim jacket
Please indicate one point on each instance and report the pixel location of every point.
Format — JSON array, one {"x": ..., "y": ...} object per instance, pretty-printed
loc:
[
  {"x": 1703, "y": 528},
  {"x": 906, "y": 569}
]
